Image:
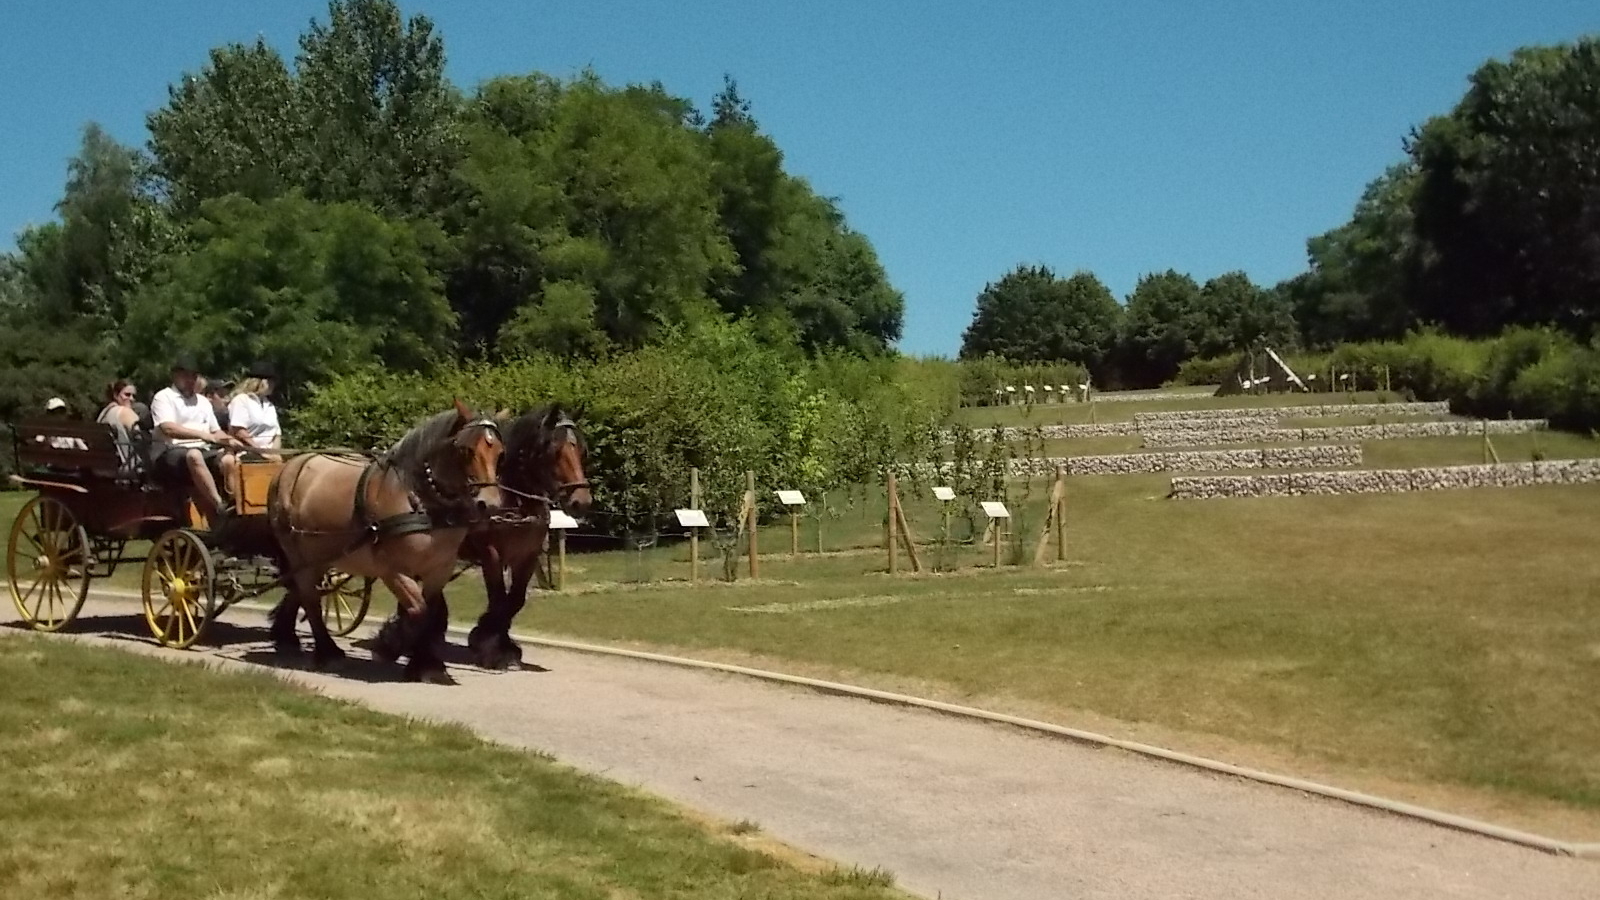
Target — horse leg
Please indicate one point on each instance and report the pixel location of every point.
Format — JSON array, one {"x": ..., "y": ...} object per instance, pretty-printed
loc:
[
  {"x": 427, "y": 639},
  {"x": 482, "y": 639},
  {"x": 323, "y": 648},
  {"x": 521, "y": 580},
  {"x": 285, "y": 643},
  {"x": 395, "y": 636}
]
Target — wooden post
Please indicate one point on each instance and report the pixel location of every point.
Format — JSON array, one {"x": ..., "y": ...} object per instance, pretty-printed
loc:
[
  {"x": 995, "y": 523},
  {"x": 1061, "y": 515},
  {"x": 1054, "y": 521},
  {"x": 1485, "y": 424},
  {"x": 750, "y": 497},
  {"x": 821, "y": 511},
  {"x": 894, "y": 521},
  {"x": 561, "y": 559},
  {"x": 1386, "y": 378},
  {"x": 694, "y": 533},
  {"x": 908, "y": 539},
  {"x": 794, "y": 532}
]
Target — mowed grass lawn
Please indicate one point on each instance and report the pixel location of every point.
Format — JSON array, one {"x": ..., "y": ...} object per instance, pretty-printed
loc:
[
  {"x": 125, "y": 776},
  {"x": 1443, "y": 647}
]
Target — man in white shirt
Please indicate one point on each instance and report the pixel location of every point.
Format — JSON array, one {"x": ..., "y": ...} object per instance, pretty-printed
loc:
[
  {"x": 187, "y": 441},
  {"x": 252, "y": 417}
]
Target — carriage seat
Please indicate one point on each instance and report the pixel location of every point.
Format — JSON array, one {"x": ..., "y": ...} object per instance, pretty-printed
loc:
[{"x": 77, "y": 450}]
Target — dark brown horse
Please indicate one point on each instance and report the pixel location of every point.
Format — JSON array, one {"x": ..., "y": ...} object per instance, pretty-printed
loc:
[
  {"x": 400, "y": 518},
  {"x": 543, "y": 469}
]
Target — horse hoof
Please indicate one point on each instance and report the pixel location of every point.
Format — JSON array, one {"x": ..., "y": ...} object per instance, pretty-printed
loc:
[
  {"x": 287, "y": 649},
  {"x": 323, "y": 658}
]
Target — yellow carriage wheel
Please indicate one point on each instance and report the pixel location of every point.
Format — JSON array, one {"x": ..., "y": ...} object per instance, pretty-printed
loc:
[
  {"x": 47, "y": 562},
  {"x": 178, "y": 584},
  {"x": 344, "y": 604}
]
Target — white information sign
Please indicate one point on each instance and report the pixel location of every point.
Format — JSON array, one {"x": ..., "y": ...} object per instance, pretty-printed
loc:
[
  {"x": 559, "y": 519},
  {"x": 692, "y": 518},
  {"x": 994, "y": 509},
  {"x": 791, "y": 498},
  {"x": 944, "y": 493}
]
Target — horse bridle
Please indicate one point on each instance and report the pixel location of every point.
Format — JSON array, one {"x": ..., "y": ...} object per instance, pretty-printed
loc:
[
  {"x": 566, "y": 489},
  {"x": 468, "y": 485}
]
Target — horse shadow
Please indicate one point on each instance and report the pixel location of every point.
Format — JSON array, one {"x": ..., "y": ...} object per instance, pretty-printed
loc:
[
  {"x": 132, "y": 627},
  {"x": 459, "y": 656}
]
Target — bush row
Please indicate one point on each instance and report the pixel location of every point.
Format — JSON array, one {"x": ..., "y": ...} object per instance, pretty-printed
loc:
[
  {"x": 715, "y": 399},
  {"x": 1531, "y": 373}
]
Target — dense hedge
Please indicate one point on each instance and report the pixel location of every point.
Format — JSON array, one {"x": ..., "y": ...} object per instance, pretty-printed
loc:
[
  {"x": 714, "y": 399},
  {"x": 1526, "y": 372}
]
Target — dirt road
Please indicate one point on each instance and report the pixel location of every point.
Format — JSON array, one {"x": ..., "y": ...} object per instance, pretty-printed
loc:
[{"x": 953, "y": 808}]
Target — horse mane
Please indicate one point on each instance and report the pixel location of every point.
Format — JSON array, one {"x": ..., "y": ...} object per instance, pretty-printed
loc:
[{"x": 408, "y": 457}]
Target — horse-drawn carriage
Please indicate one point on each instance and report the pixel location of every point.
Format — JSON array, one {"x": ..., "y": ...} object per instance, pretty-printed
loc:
[
  {"x": 94, "y": 499},
  {"x": 439, "y": 495}
]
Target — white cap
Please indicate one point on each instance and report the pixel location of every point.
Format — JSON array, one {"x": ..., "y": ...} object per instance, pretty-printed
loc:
[{"x": 55, "y": 403}]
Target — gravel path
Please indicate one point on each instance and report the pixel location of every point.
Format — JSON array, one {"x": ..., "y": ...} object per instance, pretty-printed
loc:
[{"x": 954, "y": 808}]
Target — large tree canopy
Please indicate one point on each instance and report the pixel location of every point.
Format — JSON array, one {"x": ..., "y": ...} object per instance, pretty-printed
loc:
[
  {"x": 1031, "y": 315},
  {"x": 351, "y": 206},
  {"x": 320, "y": 288},
  {"x": 1508, "y": 208}
]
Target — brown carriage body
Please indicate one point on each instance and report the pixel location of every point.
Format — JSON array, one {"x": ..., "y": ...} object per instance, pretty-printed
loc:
[{"x": 92, "y": 502}]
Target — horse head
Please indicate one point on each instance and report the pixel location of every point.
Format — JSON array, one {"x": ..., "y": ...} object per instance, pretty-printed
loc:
[
  {"x": 467, "y": 465},
  {"x": 545, "y": 453},
  {"x": 572, "y": 483}
]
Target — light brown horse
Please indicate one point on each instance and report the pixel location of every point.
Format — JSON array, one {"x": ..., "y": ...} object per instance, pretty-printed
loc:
[
  {"x": 399, "y": 518},
  {"x": 543, "y": 469}
]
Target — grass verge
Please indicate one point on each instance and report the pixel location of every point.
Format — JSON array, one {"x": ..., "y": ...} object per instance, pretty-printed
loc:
[{"x": 126, "y": 776}]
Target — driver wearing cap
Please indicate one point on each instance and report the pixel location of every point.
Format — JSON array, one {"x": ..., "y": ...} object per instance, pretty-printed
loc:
[{"x": 188, "y": 442}]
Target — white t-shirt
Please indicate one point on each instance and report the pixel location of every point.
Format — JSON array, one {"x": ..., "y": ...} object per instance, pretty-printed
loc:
[
  {"x": 257, "y": 416},
  {"x": 191, "y": 412}
]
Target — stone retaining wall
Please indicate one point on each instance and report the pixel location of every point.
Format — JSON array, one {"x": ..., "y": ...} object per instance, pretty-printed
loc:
[
  {"x": 1266, "y": 434},
  {"x": 1275, "y": 413},
  {"x": 1316, "y": 457},
  {"x": 1384, "y": 481},
  {"x": 1056, "y": 432}
]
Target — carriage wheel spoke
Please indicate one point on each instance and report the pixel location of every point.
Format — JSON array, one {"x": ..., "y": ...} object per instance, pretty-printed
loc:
[
  {"x": 33, "y": 616},
  {"x": 57, "y": 597}
]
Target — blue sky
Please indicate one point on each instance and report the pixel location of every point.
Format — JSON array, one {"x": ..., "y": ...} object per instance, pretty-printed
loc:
[{"x": 962, "y": 137}]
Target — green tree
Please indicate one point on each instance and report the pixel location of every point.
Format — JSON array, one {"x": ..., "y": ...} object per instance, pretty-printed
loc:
[
  {"x": 1238, "y": 315},
  {"x": 1162, "y": 325},
  {"x": 235, "y": 128},
  {"x": 1030, "y": 315},
  {"x": 1508, "y": 204},
  {"x": 319, "y": 288},
  {"x": 379, "y": 116},
  {"x": 1358, "y": 286}
]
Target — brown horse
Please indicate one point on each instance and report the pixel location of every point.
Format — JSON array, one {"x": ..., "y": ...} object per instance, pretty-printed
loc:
[
  {"x": 399, "y": 518},
  {"x": 543, "y": 469}
]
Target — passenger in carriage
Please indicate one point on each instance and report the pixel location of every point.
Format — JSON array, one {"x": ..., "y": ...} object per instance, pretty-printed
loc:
[
  {"x": 216, "y": 391},
  {"x": 188, "y": 441},
  {"x": 251, "y": 413},
  {"x": 119, "y": 405},
  {"x": 124, "y": 420}
]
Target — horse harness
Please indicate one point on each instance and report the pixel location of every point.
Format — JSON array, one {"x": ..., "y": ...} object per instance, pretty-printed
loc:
[{"x": 421, "y": 518}]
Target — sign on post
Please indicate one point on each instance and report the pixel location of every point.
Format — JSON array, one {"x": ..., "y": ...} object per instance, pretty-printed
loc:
[
  {"x": 692, "y": 518},
  {"x": 560, "y": 521},
  {"x": 944, "y": 493},
  {"x": 794, "y": 500},
  {"x": 996, "y": 511}
]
